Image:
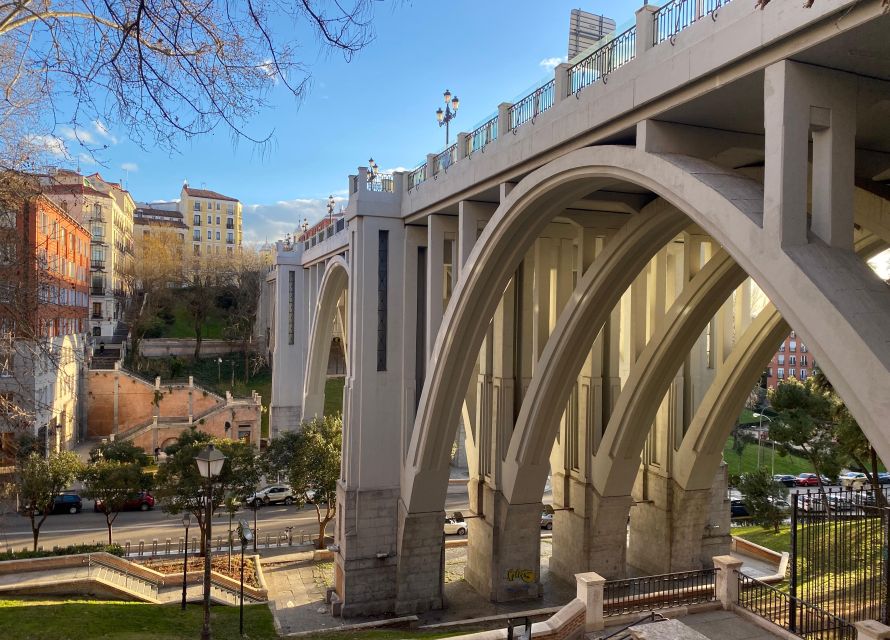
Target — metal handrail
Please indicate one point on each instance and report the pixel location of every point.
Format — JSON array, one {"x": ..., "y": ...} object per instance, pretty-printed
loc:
[
  {"x": 445, "y": 159},
  {"x": 604, "y": 60},
  {"x": 676, "y": 15},
  {"x": 382, "y": 182},
  {"x": 417, "y": 176},
  {"x": 482, "y": 135},
  {"x": 658, "y": 592},
  {"x": 528, "y": 108}
]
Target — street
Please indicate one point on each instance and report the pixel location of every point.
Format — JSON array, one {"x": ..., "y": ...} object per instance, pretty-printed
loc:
[{"x": 88, "y": 527}]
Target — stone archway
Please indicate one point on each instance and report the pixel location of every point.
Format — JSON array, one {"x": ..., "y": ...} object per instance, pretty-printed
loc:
[{"x": 334, "y": 284}]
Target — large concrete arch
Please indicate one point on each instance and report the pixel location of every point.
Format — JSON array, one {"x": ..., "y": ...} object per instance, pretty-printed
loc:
[
  {"x": 333, "y": 284},
  {"x": 729, "y": 208}
]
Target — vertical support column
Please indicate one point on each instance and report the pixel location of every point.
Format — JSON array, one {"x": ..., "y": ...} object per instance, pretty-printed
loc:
[
  {"x": 504, "y": 119},
  {"x": 368, "y": 570},
  {"x": 799, "y": 99},
  {"x": 727, "y": 580},
  {"x": 562, "y": 85}
]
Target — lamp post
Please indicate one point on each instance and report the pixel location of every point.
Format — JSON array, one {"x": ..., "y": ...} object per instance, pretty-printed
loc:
[
  {"x": 759, "y": 434},
  {"x": 210, "y": 463},
  {"x": 246, "y": 536},
  {"x": 331, "y": 205},
  {"x": 186, "y": 521},
  {"x": 373, "y": 172},
  {"x": 218, "y": 370},
  {"x": 449, "y": 114}
]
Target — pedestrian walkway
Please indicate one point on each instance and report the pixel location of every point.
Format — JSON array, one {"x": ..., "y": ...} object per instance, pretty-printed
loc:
[{"x": 714, "y": 625}]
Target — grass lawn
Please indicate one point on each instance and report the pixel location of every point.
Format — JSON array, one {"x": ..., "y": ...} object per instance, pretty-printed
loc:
[
  {"x": 75, "y": 619},
  {"x": 182, "y": 326},
  {"x": 766, "y": 537},
  {"x": 789, "y": 464},
  {"x": 333, "y": 396},
  {"x": 39, "y": 618}
]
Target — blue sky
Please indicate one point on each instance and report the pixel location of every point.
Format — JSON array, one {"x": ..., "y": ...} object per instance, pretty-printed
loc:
[{"x": 381, "y": 104}]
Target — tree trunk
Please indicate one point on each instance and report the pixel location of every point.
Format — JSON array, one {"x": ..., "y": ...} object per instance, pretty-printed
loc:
[
  {"x": 197, "y": 340},
  {"x": 35, "y": 533},
  {"x": 880, "y": 499}
]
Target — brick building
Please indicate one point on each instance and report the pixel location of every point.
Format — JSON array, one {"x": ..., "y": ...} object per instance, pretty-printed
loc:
[
  {"x": 44, "y": 307},
  {"x": 792, "y": 360}
]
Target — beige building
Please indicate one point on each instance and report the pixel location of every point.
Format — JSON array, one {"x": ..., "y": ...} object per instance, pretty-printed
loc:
[
  {"x": 214, "y": 221},
  {"x": 106, "y": 210}
]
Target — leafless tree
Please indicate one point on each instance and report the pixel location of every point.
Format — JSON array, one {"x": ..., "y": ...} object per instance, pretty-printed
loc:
[{"x": 165, "y": 71}]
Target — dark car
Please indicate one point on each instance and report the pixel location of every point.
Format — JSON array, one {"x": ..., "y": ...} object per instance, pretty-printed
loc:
[
  {"x": 784, "y": 479},
  {"x": 142, "y": 501},
  {"x": 737, "y": 509},
  {"x": 65, "y": 503}
]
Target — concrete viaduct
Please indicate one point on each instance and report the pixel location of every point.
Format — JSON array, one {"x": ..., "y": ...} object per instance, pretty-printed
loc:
[{"x": 589, "y": 285}]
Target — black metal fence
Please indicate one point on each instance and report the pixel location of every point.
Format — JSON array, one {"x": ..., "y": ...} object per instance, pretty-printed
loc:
[
  {"x": 604, "y": 60},
  {"x": 658, "y": 592},
  {"x": 839, "y": 547},
  {"x": 801, "y": 618}
]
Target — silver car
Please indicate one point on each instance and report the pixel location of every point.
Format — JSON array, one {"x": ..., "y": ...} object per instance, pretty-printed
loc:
[{"x": 273, "y": 494}]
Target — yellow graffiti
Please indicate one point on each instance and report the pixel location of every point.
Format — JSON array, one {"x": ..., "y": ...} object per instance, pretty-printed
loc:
[{"x": 526, "y": 575}]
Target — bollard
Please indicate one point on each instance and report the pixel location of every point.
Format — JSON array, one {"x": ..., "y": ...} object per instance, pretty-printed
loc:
[
  {"x": 141, "y": 547},
  {"x": 154, "y": 547},
  {"x": 181, "y": 548},
  {"x": 194, "y": 545},
  {"x": 167, "y": 549},
  {"x": 268, "y": 539},
  {"x": 127, "y": 548}
]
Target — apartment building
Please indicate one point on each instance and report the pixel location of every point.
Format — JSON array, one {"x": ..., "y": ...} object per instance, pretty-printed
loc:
[
  {"x": 44, "y": 307},
  {"x": 106, "y": 209},
  {"x": 792, "y": 360},
  {"x": 214, "y": 221}
]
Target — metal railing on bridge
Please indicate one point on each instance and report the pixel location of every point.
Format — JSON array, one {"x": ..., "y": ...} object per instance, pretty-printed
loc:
[
  {"x": 382, "y": 182},
  {"x": 676, "y": 15},
  {"x": 668, "y": 21},
  {"x": 650, "y": 593},
  {"x": 528, "y": 108}
]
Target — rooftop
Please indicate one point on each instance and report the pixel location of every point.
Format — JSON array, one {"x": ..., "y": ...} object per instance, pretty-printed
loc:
[{"x": 206, "y": 193}]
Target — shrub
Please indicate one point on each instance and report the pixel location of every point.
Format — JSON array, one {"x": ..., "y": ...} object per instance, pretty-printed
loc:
[{"x": 74, "y": 549}]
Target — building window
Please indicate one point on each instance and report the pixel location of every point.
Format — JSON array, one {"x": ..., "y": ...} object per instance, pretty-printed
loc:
[
  {"x": 791, "y": 373},
  {"x": 769, "y": 372},
  {"x": 217, "y": 217},
  {"x": 196, "y": 249},
  {"x": 217, "y": 235},
  {"x": 217, "y": 208},
  {"x": 382, "y": 292},
  {"x": 803, "y": 374},
  {"x": 781, "y": 374},
  {"x": 780, "y": 359},
  {"x": 197, "y": 235},
  {"x": 209, "y": 219},
  {"x": 792, "y": 346},
  {"x": 196, "y": 206},
  {"x": 792, "y": 360},
  {"x": 782, "y": 347},
  {"x": 197, "y": 219},
  {"x": 291, "y": 291},
  {"x": 209, "y": 234},
  {"x": 803, "y": 348},
  {"x": 803, "y": 361},
  {"x": 230, "y": 209}
]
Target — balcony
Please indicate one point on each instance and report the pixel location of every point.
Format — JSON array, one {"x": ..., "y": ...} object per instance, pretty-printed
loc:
[
  {"x": 197, "y": 222},
  {"x": 230, "y": 225},
  {"x": 230, "y": 241},
  {"x": 97, "y": 265},
  {"x": 97, "y": 291},
  {"x": 119, "y": 293},
  {"x": 96, "y": 316}
]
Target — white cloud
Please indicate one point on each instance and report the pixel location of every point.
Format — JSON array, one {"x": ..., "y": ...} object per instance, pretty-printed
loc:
[
  {"x": 394, "y": 169},
  {"x": 103, "y": 132},
  {"x": 130, "y": 166},
  {"x": 550, "y": 63},
  {"x": 273, "y": 221},
  {"x": 78, "y": 135},
  {"x": 53, "y": 145},
  {"x": 86, "y": 158}
]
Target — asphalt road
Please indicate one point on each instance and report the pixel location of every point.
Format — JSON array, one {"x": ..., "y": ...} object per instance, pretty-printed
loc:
[{"x": 87, "y": 526}]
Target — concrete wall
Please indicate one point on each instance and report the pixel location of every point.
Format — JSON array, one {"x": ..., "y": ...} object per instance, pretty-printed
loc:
[{"x": 185, "y": 347}]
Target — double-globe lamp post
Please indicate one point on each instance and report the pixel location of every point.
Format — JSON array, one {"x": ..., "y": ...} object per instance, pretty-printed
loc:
[
  {"x": 449, "y": 114},
  {"x": 210, "y": 462},
  {"x": 186, "y": 521}
]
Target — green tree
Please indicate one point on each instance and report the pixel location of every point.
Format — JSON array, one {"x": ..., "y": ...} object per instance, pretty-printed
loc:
[
  {"x": 40, "y": 480},
  {"x": 113, "y": 483},
  {"x": 764, "y": 498},
  {"x": 310, "y": 458},
  {"x": 739, "y": 442},
  {"x": 119, "y": 451},
  {"x": 180, "y": 488},
  {"x": 804, "y": 425}
]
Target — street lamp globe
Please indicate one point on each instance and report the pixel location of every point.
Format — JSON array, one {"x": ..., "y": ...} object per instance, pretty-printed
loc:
[
  {"x": 210, "y": 462},
  {"x": 447, "y": 95},
  {"x": 186, "y": 520},
  {"x": 455, "y": 103},
  {"x": 440, "y": 115}
]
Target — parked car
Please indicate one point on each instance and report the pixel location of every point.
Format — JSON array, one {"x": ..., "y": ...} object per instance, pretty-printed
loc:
[
  {"x": 64, "y": 503},
  {"x": 806, "y": 480},
  {"x": 815, "y": 504},
  {"x": 547, "y": 520},
  {"x": 273, "y": 494},
  {"x": 142, "y": 501},
  {"x": 883, "y": 477},
  {"x": 738, "y": 509},
  {"x": 454, "y": 526},
  {"x": 853, "y": 480},
  {"x": 784, "y": 479}
]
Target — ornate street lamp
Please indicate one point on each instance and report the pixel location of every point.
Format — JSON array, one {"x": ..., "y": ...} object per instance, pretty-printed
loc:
[
  {"x": 210, "y": 462},
  {"x": 449, "y": 114},
  {"x": 331, "y": 205},
  {"x": 246, "y": 536},
  {"x": 186, "y": 521},
  {"x": 373, "y": 172}
]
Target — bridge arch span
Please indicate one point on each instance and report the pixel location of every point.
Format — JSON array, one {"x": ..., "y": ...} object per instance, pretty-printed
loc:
[
  {"x": 729, "y": 208},
  {"x": 334, "y": 284}
]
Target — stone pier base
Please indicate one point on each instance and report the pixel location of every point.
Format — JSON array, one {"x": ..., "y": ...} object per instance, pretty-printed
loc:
[
  {"x": 365, "y": 566},
  {"x": 667, "y": 529},
  {"x": 421, "y": 563},
  {"x": 504, "y": 547},
  {"x": 589, "y": 531}
]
